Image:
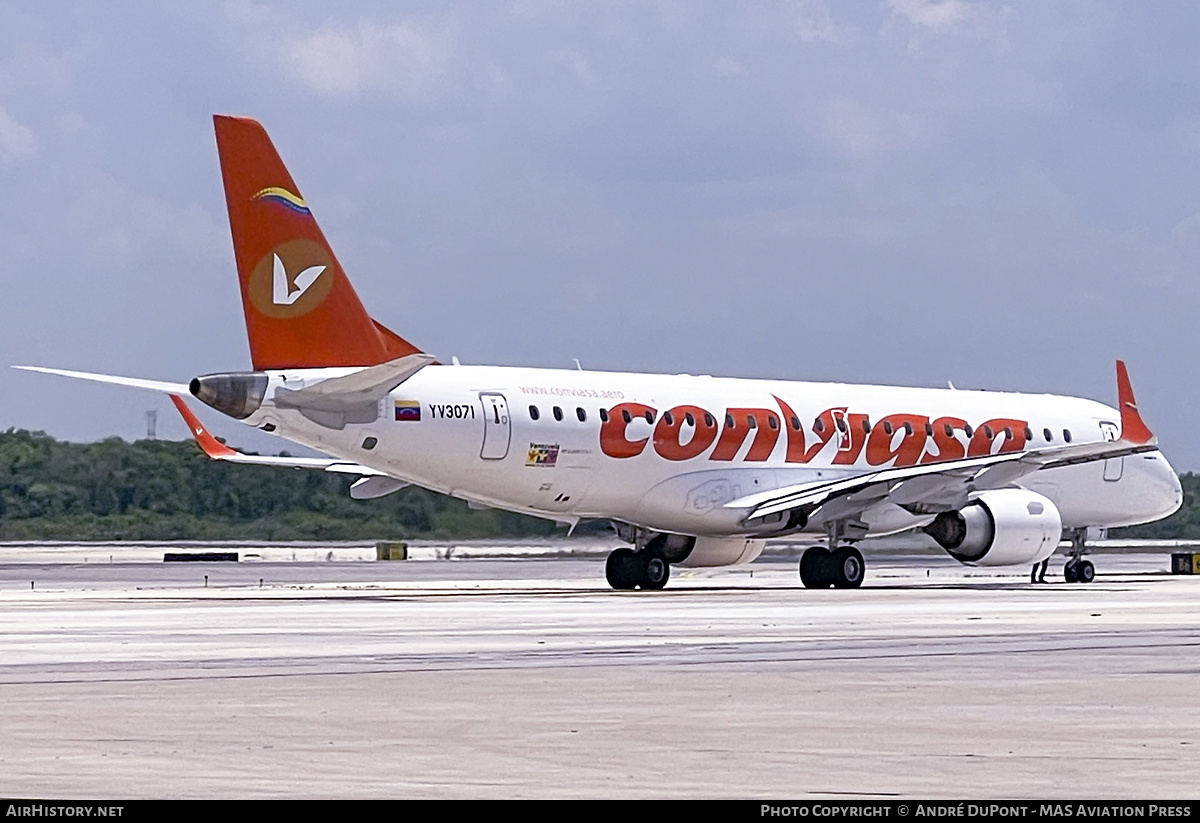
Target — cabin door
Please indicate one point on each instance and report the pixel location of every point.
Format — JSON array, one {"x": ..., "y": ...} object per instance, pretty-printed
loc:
[{"x": 497, "y": 428}]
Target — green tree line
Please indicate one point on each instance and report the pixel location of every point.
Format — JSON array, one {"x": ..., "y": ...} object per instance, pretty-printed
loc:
[{"x": 163, "y": 489}]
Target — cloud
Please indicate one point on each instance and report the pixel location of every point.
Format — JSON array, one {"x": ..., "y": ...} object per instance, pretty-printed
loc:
[
  {"x": 16, "y": 140},
  {"x": 972, "y": 22},
  {"x": 404, "y": 58},
  {"x": 814, "y": 25},
  {"x": 31, "y": 67},
  {"x": 728, "y": 67},
  {"x": 114, "y": 226},
  {"x": 577, "y": 64},
  {"x": 939, "y": 15}
]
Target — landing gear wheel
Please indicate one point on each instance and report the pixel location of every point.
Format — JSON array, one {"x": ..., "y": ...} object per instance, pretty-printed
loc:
[
  {"x": 1071, "y": 571},
  {"x": 619, "y": 569},
  {"x": 848, "y": 568},
  {"x": 813, "y": 564},
  {"x": 1085, "y": 572},
  {"x": 656, "y": 571}
]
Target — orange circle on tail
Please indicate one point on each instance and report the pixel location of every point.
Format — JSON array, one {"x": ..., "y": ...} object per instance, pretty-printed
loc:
[{"x": 291, "y": 280}]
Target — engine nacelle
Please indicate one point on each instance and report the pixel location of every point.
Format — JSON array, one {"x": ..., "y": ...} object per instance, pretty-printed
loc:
[
  {"x": 237, "y": 394},
  {"x": 722, "y": 551},
  {"x": 1002, "y": 527}
]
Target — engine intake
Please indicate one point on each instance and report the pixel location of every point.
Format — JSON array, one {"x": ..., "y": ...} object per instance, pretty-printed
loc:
[
  {"x": 237, "y": 394},
  {"x": 1002, "y": 527}
]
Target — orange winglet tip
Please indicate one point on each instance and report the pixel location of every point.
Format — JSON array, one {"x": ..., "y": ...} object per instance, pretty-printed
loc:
[
  {"x": 1133, "y": 430},
  {"x": 210, "y": 445}
]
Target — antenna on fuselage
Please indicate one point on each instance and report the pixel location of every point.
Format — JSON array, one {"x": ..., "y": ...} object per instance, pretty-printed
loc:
[{"x": 577, "y": 366}]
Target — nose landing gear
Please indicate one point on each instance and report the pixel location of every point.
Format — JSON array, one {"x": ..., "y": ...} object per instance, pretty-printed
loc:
[{"x": 1078, "y": 570}]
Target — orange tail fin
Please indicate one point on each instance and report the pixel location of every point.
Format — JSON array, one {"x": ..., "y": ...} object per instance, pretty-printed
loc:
[{"x": 301, "y": 311}]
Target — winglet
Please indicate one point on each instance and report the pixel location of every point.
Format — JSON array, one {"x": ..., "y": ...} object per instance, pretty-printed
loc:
[
  {"x": 210, "y": 445},
  {"x": 1133, "y": 430}
]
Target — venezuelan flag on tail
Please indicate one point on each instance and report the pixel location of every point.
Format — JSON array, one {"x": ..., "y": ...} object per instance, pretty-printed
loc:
[{"x": 301, "y": 311}]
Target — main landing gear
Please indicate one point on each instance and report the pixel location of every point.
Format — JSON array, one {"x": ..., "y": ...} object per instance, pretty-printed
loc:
[
  {"x": 1078, "y": 570},
  {"x": 627, "y": 569},
  {"x": 841, "y": 567}
]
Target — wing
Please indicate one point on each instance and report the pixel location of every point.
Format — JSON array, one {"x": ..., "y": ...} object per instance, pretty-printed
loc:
[{"x": 935, "y": 486}]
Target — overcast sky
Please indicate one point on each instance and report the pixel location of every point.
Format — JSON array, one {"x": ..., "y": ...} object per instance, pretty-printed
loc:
[{"x": 1005, "y": 195}]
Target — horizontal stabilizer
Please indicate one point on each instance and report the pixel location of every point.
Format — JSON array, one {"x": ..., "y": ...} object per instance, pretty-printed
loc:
[
  {"x": 353, "y": 391},
  {"x": 135, "y": 382},
  {"x": 217, "y": 450}
]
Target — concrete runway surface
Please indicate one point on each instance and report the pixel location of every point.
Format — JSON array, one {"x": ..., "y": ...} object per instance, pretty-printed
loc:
[{"x": 530, "y": 678}]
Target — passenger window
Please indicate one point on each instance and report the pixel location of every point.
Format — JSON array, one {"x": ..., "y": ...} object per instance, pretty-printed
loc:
[
  {"x": 649, "y": 417},
  {"x": 987, "y": 432},
  {"x": 948, "y": 429},
  {"x": 1067, "y": 435},
  {"x": 625, "y": 416},
  {"x": 534, "y": 414},
  {"x": 887, "y": 427},
  {"x": 668, "y": 418},
  {"x": 751, "y": 422},
  {"x": 729, "y": 421},
  {"x": 1046, "y": 433},
  {"x": 818, "y": 426},
  {"x": 968, "y": 430},
  {"x": 687, "y": 418},
  {"x": 709, "y": 421},
  {"x": 866, "y": 427},
  {"x": 581, "y": 414},
  {"x": 1028, "y": 434},
  {"x": 558, "y": 415},
  {"x": 604, "y": 415},
  {"x": 772, "y": 422}
]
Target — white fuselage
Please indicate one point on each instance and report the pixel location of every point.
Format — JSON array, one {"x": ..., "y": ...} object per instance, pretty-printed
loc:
[{"x": 693, "y": 444}]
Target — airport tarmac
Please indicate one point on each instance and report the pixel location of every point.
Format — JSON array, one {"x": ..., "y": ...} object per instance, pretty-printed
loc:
[{"x": 531, "y": 678}]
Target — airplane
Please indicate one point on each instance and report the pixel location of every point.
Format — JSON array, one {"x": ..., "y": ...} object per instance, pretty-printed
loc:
[{"x": 691, "y": 471}]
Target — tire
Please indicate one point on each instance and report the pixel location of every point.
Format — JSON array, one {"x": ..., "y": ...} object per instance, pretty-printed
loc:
[
  {"x": 848, "y": 568},
  {"x": 1085, "y": 572},
  {"x": 1071, "y": 571},
  {"x": 813, "y": 568},
  {"x": 655, "y": 570},
  {"x": 618, "y": 567}
]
